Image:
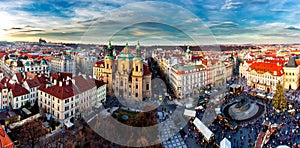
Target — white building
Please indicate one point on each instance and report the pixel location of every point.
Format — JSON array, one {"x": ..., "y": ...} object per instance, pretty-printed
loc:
[
  {"x": 67, "y": 96},
  {"x": 185, "y": 79},
  {"x": 13, "y": 65},
  {"x": 63, "y": 64}
]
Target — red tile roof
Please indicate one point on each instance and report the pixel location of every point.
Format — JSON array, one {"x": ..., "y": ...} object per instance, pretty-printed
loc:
[
  {"x": 83, "y": 84},
  {"x": 17, "y": 89},
  {"x": 22, "y": 77},
  {"x": 99, "y": 64},
  {"x": 5, "y": 140},
  {"x": 33, "y": 82},
  {"x": 146, "y": 70},
  {"x": 61, "y": 76},
  {"x": 263, "y": 67},
  {"x": 60, "y": 92},
  {"x": 99, "y": 83}
]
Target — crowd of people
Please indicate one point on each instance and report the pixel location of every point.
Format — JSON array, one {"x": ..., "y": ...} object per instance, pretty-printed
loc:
[{"x": 246, "y": 134}]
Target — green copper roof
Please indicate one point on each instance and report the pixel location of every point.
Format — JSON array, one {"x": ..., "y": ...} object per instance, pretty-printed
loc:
[
  {"x": 188, "y": 49},
  {"x": 125, "y": 56},
  {"x": 109, "y": 45},
  {"x": 138, "y": 46}
]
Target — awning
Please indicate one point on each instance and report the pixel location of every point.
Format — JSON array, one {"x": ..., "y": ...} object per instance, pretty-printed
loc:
[
  {"x": 199, "y": 107},
  {"x": 98, "y": 105},
  {"x": 190, "y": 113},
  {"x": 218, "y": 110},
  {"x": 69, "y": 124},
  {"x": 225, "y": 143},
  {"x": 206, "y": 132}
]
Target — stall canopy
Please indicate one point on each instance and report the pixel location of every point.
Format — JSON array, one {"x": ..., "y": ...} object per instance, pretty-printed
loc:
[
  {"x": 218, "y": 110},
  {"x": 206, "y": 132},
  {"x": 225, "y": 143},
  {"x": 190, "y": 113},
  {"x": 69, "y": 124}
]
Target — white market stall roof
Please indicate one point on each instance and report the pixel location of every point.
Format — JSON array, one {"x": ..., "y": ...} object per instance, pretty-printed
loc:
[
  {"x": 98, "y": 105},
  {"x": 218, "y": 110},
  {"x": 199, "y": 107},
  {"x": 69, "y": 124},
  {"x": 283, "y": 146},
  {"x": 206, "y": 132},
  {"x": 225, "y": 143},
  {"x": 190, "y": 113}
]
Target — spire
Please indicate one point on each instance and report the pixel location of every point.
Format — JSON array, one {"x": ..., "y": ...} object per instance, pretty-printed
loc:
[
  {"x": 188, "y": 49},
  {"x": 126, "y": 49},
  {"x": 138, "y": 46},
  {"x": 291, "y": 62},
  {"x": 138, "y": 51},
  {"x": 109, "y": 45},
  {"x": 109, "y": 49}
]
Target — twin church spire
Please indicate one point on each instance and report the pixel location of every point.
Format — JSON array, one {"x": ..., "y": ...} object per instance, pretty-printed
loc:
[{"x": 112, "y": 52}]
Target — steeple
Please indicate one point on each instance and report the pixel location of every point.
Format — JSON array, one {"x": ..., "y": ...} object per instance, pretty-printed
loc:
[
  {"x": 188, "y": 49},
  {"x": 109, "y": 49},
  {"x": 138, "y": 50},
  {"x": 126, "y": 49}
]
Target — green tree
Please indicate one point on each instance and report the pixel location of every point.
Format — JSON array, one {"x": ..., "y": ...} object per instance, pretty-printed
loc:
[{"x": 279, "y": 100}]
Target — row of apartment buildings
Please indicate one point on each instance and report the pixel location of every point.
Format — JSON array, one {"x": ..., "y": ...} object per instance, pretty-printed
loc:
[
  {"x": 190, "y": 71},
  {"x": 265, "y": 74},
  {"x": 60, "y": 94}
]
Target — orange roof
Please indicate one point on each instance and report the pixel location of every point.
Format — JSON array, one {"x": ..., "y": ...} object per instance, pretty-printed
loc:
[
  {"x": 298, "y": 61},
  {"x": 5, "y": 140},
  {"x": 263, "y": 67}
]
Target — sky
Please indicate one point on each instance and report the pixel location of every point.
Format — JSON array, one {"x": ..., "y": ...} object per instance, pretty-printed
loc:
[{"x": 151, "y": 22}]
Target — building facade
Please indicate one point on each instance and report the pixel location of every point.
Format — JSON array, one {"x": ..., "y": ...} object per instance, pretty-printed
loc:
[
  {"x": 132, "y": 77},
  {"x": 264, "y": 76},
  {"x": 63, "y": 64},
  {"x": 291, "y": 74}
]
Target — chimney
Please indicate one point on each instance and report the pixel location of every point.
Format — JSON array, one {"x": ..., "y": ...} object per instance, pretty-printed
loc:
[
  {"x": 24, "y": 75},
  {"x": 73, "y": 81},
  {"x": 47, "y": 85},
  {"x": 60, "y": 83},
  {"x": 67, "y": 82},
  {"x": 84, "y": 76},
  {"x": 55, "y": 82}
]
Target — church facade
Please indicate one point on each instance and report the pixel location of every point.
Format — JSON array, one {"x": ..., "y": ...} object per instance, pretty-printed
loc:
[{"x": 126, "y": 74}]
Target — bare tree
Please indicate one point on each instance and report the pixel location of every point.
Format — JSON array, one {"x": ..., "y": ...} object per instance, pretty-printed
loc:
[{"x": 31, "y": 132}]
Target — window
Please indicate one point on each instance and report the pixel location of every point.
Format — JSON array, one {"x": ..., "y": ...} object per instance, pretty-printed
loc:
[
  {"x": 66, "y": 115},
  {"x": 136, "y": 68},
  {"x": 66, "y": 108},
  {"x": 136, "y": 86},
  {"x": 136, "y": 94},
  {"x": 147, "y": 87},
  {"x": 67, "y": 101},
  {"x": 57, "y": 100}
]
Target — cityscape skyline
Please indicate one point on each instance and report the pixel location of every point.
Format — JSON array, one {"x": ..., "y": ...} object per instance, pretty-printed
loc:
[{"x": 210, "y": 22}]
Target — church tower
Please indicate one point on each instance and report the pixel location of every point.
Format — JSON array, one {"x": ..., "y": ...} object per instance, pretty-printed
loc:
[
  {"x": 137, "y": 74},
  {"x": 108, "y": 65},
  {"x": 188, "y": 54}
]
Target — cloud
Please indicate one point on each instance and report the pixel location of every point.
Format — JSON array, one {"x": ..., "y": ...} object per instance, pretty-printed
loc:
[
  {"x": 293, "y": 28},
  {"x": 229, "y": 4}
]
